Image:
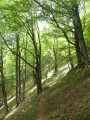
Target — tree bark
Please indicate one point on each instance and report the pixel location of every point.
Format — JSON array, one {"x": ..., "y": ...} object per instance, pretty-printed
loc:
[
  {"x": 38, "y": 61},
  {"x": 79, "y": 32},
  {"x": 55, "y": 58},
  {"x": 38, "y": 74},
  {"x": 78, "y": 51},
  {"x": 24, "y": 80},
  {"x": 3, "y": 83},
  {"x": 70, "y": 57},
  {"x": 17, "y": 76}
]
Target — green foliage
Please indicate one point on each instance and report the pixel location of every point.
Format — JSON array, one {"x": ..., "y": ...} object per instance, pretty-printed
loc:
[
  {"x": 22, "y": 17},
  {"x": 69, "y": 98},
  {"x": 84, "y": 115},
  {"x": 53, "y": 116},
  {"x": 31, "y": 115}
]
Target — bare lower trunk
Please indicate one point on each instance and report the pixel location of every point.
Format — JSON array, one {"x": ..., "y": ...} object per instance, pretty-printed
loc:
[
  {"x": 39, "y": 88},
  {"x": 79, "y": 32},
  {"x": 4, "y": 94},
  {"x": 39, "y": 84},
  {"x": 55, "y": 56},
  {"x": 70, "y": 57},
  {"x": 38, "y": 75},
  {"x": 19, "y": 80},
  {"x": 17, "y": 83},
  {"x": 78, "y": 52},
  {"x": 23, "y": 89},
  {"x": 3, "y": 83},
  {"x": 55, "y": 63},
  {"x": 24, "y": 80}
]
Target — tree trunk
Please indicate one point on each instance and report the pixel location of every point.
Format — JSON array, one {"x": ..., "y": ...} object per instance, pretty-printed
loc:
[
  {"x": 79, "y": 32},
  {"x": 3, "y": 82},
  {"x": 11, "y": 85},
  {"x": 70, "y": 57},
  {"x": 38, "y": 74},
  {"x": 55, "y": 59},
  {"x": 78, "y": 51},
  {"x": 34, "y": 72},
  {"x": 19, "y": 78},
  {"x": 23, "y": 88},
  {"x": 17, "y": 82},
  {"x": 24, "y": 80},
  {"x": 38, "y": 60}
]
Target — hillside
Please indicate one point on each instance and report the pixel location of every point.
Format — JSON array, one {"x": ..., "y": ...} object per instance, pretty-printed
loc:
[
  {"x": 44, "y": 59},
  {"x": 62, "y": 98}
]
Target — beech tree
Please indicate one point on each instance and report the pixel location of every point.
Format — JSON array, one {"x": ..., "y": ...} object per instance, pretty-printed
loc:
[
  {"x": 27, "y": 22},
  {"x": 3, "y": 79},
  {"x": 64, "y": 13}
]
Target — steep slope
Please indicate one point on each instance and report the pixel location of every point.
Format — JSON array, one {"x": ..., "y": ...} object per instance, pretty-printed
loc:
[
  {"x": 70, "y": 98},
  {"x": 66, "y": 98}
]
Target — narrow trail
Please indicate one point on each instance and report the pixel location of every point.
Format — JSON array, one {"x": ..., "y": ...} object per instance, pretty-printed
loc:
[
  {"x": 41, "y": 115},
  {"x": 40, "y": 108}
]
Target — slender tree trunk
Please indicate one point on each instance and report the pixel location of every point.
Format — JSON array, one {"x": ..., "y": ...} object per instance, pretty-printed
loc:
[
  {"x": 39, "y": 68},
  {"x": 70, "y": 57},
  {"x": 17, "y": 77},
  {"x": 34, "y": 72},
  {"x": 25, "y": 59},
  {"x": 55, "y": 58},
  {"x": 3, "y": 82},
  {"x": 25, "y": 68},
  {"x": 39, "y": 64},
  {"x": 24, "y": 88},
  {"x": 11, "y": 88},
  {"x": 24, "y": 80}
]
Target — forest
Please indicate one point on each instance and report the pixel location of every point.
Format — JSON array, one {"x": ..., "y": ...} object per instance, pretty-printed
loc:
[{"x": 44, "y": 59}]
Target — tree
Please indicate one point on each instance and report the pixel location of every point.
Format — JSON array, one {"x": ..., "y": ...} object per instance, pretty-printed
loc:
[
  {"x": 3, "y": 79},
  {"x": 67, "y": 11},
  {"x": 17, "y": 71}
]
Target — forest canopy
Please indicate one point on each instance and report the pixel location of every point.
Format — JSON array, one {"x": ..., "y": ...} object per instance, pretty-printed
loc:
[{"x": 37, "y": 36}]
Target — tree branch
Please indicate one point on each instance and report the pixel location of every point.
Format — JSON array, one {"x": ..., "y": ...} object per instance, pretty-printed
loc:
[
  {"x": 15, "y": 52},
  {"x": 62, "y": 30}
]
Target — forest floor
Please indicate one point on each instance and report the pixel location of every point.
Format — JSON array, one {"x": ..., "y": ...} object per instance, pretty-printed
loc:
[
  {"x": 11, "y": 101},
  {"x": 40, "y": 108},
  {"x": 64, "y": 97}
]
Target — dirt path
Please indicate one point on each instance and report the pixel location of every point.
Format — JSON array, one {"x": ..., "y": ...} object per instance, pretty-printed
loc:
[
  {"x": 41, "y": 115},
  {"x": 40, "y": 108}
]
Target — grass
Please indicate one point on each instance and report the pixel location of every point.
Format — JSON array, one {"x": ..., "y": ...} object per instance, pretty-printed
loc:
[
  {"x": 67, "y": 99},
  {"x": 12, "y": 104},
  {"x": 25, "y": 110},
  {"x": 31, "y": 115}
]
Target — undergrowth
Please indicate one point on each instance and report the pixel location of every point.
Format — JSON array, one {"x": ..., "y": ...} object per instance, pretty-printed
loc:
[{"x": 69, "y": 99}]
